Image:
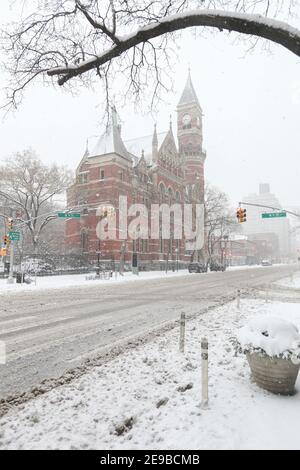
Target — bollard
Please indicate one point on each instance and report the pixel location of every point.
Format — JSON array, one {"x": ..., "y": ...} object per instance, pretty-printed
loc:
[
  {"x": 2, "y": 352},
  {"x": 238, "y": 299},
  {"x": 182, "y": 333},
  {"x": 204, "y": 367}
]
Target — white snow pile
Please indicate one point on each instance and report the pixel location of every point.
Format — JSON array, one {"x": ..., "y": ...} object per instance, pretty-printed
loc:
[{"x": 271, "y": 335}]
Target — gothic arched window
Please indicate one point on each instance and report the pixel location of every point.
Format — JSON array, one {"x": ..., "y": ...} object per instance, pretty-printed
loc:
[
  {"x": 84, "y": 241},
  {"x": 162, "y": 191}
]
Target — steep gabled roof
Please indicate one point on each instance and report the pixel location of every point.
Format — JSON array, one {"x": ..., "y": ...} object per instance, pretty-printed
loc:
[
  {"x": 168, "y": 142},
  {"x": 135, "y": 146},
  {"x": 111, "y": 141}
]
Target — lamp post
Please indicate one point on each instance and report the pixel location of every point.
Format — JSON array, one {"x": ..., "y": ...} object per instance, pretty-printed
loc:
[
  {"x": 123, "y": 250},
  {"x": 177, "y": 260}
]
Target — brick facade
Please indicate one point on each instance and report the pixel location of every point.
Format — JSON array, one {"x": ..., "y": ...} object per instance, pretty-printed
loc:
[{"x": 148, "y": 170}]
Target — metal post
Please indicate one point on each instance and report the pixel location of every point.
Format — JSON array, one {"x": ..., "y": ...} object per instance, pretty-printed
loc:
[
  {"x": 98, "y": 255},
  {"x": 122, "y": 258},
  {"x": 204, "y": 368},
  {"x": 182, "y": 332},
  {"x": 238, "y": 299},
  {"x": 10, "y": 279}
]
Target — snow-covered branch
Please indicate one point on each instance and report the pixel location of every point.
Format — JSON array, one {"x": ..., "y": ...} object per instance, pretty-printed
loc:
[
  {"x": 129, "y": 40},
  {"x": 255, "y": 25}
]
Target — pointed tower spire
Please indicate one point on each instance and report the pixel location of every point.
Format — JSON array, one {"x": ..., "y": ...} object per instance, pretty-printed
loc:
[
  {"x": 154, "y": 138},
  {"x": 189, "y": 95},
  {"x": 154, "y": 144},
  {"x": 86, "y": 153},
  {"x": 190, "y": 135}
]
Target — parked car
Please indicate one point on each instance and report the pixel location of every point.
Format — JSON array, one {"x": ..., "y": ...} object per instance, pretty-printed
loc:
[
  {"x": 217, "y": 267},
  {"x": 266, "y": 262},
  {"x": 196, "y": 267}
]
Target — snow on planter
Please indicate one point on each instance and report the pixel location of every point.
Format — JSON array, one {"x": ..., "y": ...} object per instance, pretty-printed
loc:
[
  {"x": 270, "y": 335},
  {"x": 272, "y": 347}
]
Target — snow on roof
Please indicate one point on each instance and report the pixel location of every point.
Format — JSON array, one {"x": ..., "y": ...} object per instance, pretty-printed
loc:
[
  {"x": 270, "y": 334},
  {"x": 111, "y": 141},
  {"x": 135, "y": 146}
]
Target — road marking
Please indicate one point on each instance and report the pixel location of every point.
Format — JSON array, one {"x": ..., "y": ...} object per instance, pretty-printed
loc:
[
  {"x": 39, "y": 322},
  {"x": 15, "y": 320}
]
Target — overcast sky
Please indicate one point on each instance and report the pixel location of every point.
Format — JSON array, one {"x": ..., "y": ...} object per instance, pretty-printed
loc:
[{"x": 251, "y": 108}]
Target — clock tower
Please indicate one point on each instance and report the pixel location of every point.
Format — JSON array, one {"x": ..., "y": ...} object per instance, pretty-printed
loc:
[{"x": 190, "y": 139}]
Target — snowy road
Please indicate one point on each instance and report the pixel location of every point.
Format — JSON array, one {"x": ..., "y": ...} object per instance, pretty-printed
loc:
[{"x": 49, "y": 332}]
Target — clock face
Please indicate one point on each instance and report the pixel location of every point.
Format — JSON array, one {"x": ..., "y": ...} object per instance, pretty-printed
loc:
[{"x": 186, "y": 119}]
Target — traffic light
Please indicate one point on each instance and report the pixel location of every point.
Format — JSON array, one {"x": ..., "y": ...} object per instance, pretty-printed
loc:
[
  {"x": 241, "y": 214},
  {"x": 108, "y": 211},
  {"x": 6, "y": 240},
  {"x": 3, "y": 252},
  {"x": 243, "y": 217},
  {"x": 10, "y": 224}
]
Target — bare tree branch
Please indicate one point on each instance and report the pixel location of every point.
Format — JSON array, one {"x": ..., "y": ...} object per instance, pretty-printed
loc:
[
  {"x": 30, "y": 186},
  {"x": 275, "y": 31},
  {"x": 69, "y": 39}
]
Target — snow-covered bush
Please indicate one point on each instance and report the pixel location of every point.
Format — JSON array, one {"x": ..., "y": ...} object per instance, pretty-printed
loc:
[{"x": 270, "y": 336}]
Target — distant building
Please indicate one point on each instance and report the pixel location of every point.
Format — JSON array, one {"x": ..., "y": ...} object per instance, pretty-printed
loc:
[
  {"x": 241, "y": 250},
  {"x": 276, "y": 231},
  {"x": 151, "y": 169}
]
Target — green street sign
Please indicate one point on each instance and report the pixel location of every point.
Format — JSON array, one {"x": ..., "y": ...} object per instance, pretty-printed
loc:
[
  {"x": 273, "y": 215},
  {"x": 14, "y": 236},
  {"x": 68, "y": 215}
]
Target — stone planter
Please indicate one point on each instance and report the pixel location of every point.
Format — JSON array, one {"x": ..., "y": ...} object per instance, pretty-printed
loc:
[{"x": 274, "y": 374}]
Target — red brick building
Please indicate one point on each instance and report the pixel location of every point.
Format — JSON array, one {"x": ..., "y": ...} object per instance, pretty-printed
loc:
[{"x": 153, "y": 169}]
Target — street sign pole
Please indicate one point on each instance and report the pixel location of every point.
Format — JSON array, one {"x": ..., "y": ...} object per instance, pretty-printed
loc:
[{"x": 10, "y": 279}]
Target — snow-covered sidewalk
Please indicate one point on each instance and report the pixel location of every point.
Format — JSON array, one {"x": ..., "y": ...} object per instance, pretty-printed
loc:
[
  {"x": 77, "y": 280},
  {"x": 149, "y": 397},
  {"x": 81, "y": 280},
  {"x": 293, "y": 281}
]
